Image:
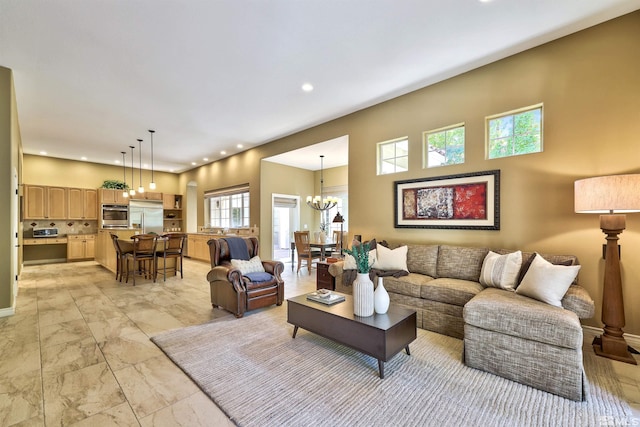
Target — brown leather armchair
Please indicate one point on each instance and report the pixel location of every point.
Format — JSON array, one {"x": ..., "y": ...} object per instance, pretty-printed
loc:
[{"x": 237, "y": 293}]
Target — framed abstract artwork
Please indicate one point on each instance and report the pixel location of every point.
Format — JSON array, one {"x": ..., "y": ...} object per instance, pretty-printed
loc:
[{"x": 464, "y": 201}]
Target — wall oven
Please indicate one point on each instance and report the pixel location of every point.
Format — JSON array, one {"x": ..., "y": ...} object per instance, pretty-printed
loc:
[{"x": 115, "y": 216}]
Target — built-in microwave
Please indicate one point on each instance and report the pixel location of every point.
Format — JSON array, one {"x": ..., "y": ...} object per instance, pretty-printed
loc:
[{"x": 115, "y": 216}]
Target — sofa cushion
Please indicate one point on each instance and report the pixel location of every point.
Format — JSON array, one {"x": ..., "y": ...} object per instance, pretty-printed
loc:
[
  {"x": 547, "y": 282},
  {"x": 409, "y": 285},
  {"x": 463, "y": 263},
  {"x": 422, "y": 259},
  {"x": 578, "y": 300},
  {"x": 512, "y": 314},
  {"x": 450, "y": 291},
  {"x": 501, "y": 271}
]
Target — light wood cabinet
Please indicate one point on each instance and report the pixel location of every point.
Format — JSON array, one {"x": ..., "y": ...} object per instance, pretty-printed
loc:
[
  {"x": 81, "y": 246},
  {"x": 83, "y": 203},
  {"x": 42, "y": 202},
  {"x": 110, "y": 196},
  {"x": 197, "y": 247},
  {"x": 147, "y": 195}
]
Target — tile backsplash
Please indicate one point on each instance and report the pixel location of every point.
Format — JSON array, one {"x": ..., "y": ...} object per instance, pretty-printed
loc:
[{"x": 64, "y": 226}]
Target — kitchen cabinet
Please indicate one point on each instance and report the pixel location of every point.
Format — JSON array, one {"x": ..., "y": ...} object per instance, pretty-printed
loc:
[
  {"x": 110, "y": 196},
  {"x": 83, "y": 203},
  {"x": 172, "y": 204},
  {"x": 80, "y": 246},
  {"x": 197, "y": 247},
  {"x": 147, "y": 195},
  {"x": 43, "y": 202},
  {"x": 105, "y": 253}
]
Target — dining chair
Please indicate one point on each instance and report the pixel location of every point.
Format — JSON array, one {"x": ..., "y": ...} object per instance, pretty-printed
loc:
[
  {"x": 338, "y": 238},
  {"x": 142, "y": 257},
  {"x": 170, "y": 246},
  {"x": 303, "y": 249}
]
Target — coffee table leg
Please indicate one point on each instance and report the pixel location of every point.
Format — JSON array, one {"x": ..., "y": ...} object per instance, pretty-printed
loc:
[
  {"x": 381, "y": 368},
  {"x": 295, "y": 331},
  {"x": 407, "y": 350}
]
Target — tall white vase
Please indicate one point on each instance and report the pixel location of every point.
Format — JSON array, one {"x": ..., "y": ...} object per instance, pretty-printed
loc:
[
  {"x": 363, "y": 295},
  {"x": 380, "y": 298}
]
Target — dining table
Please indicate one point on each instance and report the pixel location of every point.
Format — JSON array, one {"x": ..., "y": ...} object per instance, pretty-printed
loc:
[{"x": 323, "y": 246}]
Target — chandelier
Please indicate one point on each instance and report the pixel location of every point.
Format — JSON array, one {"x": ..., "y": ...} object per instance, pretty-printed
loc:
[{"x": 321, "y": 203}]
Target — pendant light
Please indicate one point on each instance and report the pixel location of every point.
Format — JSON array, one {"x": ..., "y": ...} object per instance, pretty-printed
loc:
[
  {"x": 141, "y": 188},
  {"x": 152, "y": 184},
  {"x": 125, "y": 193},
  {"x": 132, "y": 192},
  {"x": 321, "y": 203}
]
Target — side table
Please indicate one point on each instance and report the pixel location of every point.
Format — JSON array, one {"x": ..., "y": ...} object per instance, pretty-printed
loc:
[{"x": 324, "y": 280}]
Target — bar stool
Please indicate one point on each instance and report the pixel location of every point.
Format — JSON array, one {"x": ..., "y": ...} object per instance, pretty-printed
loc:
[
  {"x": 121, "y": 254},
  {"x": 172, "y": 246},
  {"x": 143, "y": 257}
]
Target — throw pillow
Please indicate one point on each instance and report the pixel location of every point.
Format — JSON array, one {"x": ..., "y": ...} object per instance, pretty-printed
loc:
[
  {"x": 254, "y": 265},
  {"x": 501, "y": 271},
  {"x": 391, "y": 259},
  {"x": 350, "y": 261},
  {"x": 547, "y": 282}
]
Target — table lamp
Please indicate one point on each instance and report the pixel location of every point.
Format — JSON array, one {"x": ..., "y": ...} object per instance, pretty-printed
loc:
[
  {"x": 339, "y": 219},
  {"x": 612, "y": 196}
]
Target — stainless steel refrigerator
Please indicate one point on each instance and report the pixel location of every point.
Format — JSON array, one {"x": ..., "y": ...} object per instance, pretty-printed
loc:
[{"x": 146, "y": 216}]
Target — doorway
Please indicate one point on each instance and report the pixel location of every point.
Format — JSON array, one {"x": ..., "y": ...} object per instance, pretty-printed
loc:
[{"x": 286, "y": 219}]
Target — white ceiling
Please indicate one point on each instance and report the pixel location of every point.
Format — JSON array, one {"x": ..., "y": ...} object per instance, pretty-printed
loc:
[{"x": 91, "y": 77}]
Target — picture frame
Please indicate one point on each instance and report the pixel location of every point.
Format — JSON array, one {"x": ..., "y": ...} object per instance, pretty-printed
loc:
[{"x": 465, "y": 201}]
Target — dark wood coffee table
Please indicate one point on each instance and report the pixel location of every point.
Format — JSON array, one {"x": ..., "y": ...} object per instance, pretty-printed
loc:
[{"x": 381, "y": 336}]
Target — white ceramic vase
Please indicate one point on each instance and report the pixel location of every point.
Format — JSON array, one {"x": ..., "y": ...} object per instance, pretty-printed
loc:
[
  {"x": 363, "y": 295},
  {"x": 380, "y": 298},
  {"x": 323, "y": 237}
]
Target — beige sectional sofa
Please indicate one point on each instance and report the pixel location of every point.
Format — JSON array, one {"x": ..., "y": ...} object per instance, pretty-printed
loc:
[{"x": 504, "y": 332}]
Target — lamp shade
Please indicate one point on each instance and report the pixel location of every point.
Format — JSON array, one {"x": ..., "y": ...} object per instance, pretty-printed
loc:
[{"x": 607, "y": 194}]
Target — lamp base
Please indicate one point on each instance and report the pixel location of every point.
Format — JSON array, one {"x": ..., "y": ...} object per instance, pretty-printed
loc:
[{"x": 615, "y": 348}]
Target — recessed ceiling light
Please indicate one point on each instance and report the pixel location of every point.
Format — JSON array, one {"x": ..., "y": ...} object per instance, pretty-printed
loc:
[
  {"x": 44, "y": 153},
  {"x": 83, "y": 158},
  {"x": 206, "y": 159},
  {"x": 193, "y": 163},
  {"x": 117, "y": 162},
  {"x": 307, "y": 87},
  {"x": 223, "y": 152},
  {"x": 239, "y": 145}
]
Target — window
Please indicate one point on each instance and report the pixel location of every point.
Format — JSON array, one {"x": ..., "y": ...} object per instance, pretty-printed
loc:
[
  {"x": 228, "y": 208},
  {"x": 443, "y": 146},
  {"x": 393, "y": 156},
  {"x": 514, "y": 133}
]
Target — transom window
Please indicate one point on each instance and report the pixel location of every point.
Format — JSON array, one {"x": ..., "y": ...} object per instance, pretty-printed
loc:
[
  {"x": 514, "y": 133},
  {"x": 444, "y": 146},
  {"x": 393, "y": 156},
  {"x": 228, "y": 208}
]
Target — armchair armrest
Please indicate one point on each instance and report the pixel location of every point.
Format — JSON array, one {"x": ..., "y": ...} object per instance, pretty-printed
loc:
[
  {"x": 274, "y": 267},
  {"x": 226, "y": 274}
]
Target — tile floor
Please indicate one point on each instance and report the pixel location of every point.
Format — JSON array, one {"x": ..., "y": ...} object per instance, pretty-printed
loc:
[{"x": 77, "y": 351}]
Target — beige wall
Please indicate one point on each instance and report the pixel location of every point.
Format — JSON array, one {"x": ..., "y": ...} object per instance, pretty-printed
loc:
[
  {"x": 43, "y": 170},
  {"x": 589, "y": 84}
]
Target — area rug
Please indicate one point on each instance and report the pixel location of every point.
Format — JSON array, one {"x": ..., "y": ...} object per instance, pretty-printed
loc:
[{"x": 259, "y": 376}]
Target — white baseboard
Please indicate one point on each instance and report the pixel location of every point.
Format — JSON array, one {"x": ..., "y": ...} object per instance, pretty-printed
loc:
[
  {"x": 632, "y": 340},
  {"x": 9, "y": 311}
]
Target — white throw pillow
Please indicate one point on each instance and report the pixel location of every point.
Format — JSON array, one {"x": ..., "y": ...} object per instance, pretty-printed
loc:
[
  {"x": 501, "y": 271},
  {"x": 547, "y": 282},
  {"x": 350, "y": 261},
  {"x": 254, "y": 265},
  {"x": 391, "y": 259}
]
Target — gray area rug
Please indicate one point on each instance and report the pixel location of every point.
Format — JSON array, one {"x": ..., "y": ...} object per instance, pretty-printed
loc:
[{"x": 259, "y": 376}]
